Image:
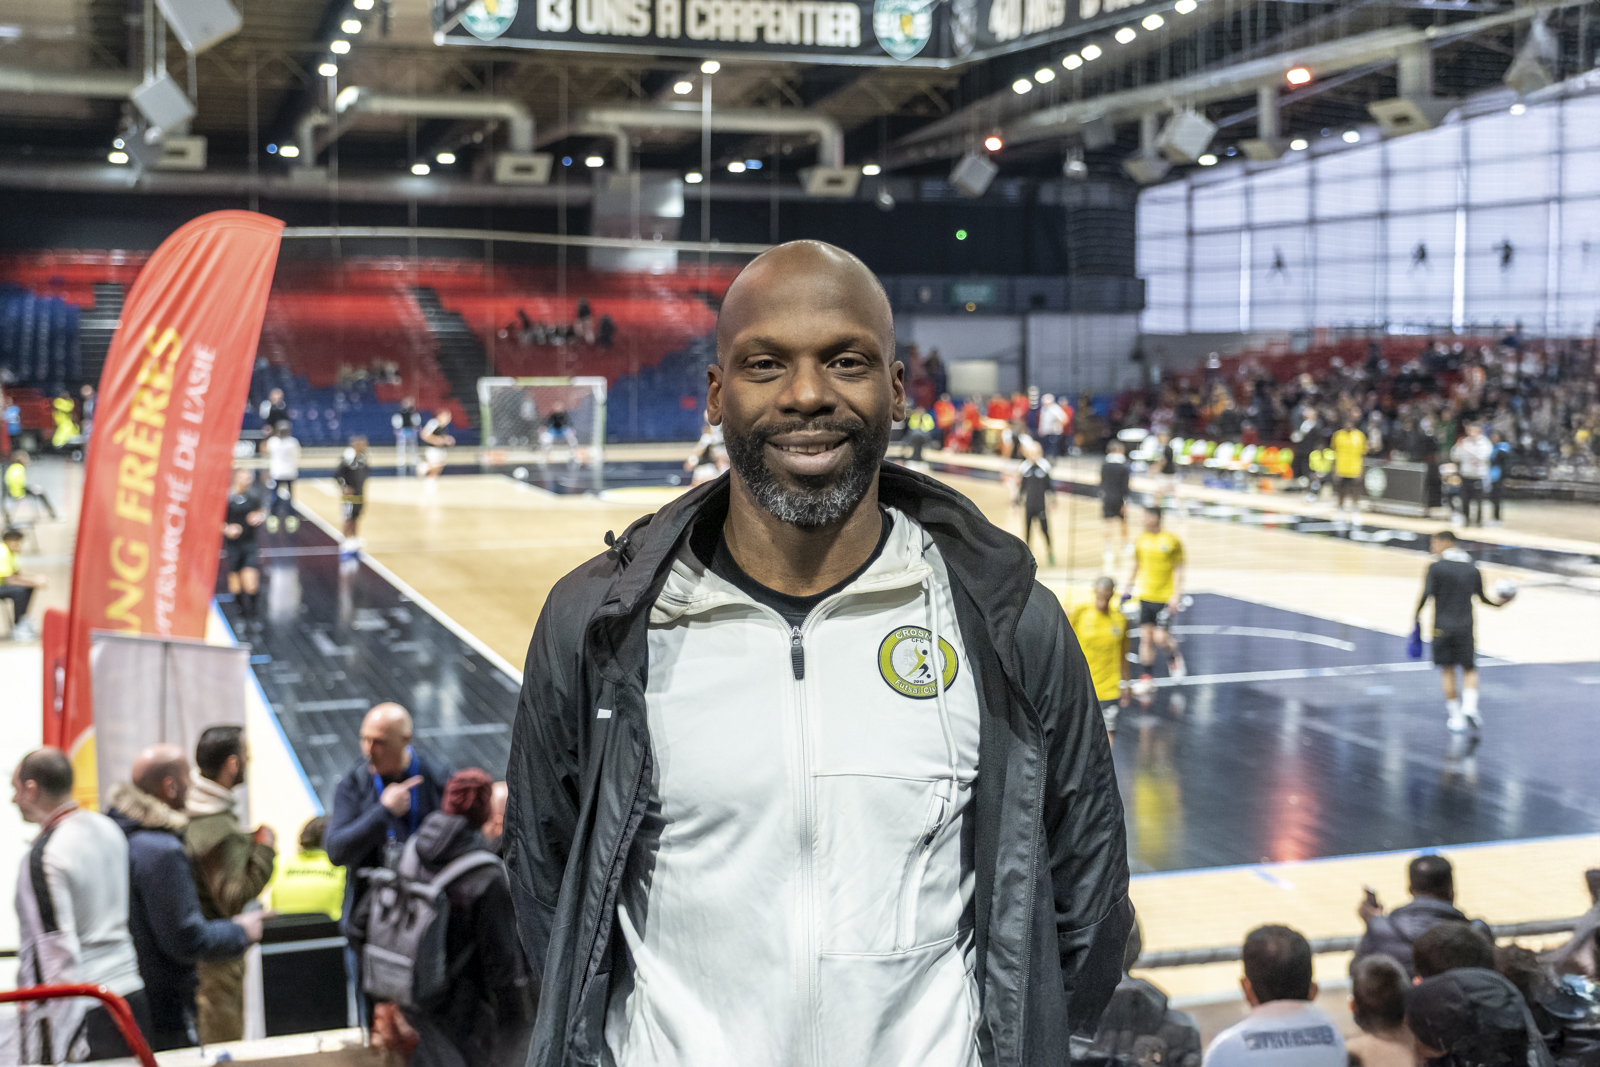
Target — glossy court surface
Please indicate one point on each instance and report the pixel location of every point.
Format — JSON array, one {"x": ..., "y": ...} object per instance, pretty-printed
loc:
[{"x": 1267, "y": 785}]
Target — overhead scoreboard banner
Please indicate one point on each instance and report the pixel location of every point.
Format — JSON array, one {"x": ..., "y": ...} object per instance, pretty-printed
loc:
[
  {"x": 171, "y": 400},
  {"x": 936, "y": 33}
]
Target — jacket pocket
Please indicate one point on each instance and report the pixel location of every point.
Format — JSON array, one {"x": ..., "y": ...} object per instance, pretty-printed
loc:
[
  {"x": 939, "y": 805},
  {"x": 903, "y": 1009}
]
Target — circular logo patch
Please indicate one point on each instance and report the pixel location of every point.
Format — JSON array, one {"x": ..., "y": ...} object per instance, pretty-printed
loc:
[
  {"x": 902, "y": 26},
  {"x": 904, "y": 660}
]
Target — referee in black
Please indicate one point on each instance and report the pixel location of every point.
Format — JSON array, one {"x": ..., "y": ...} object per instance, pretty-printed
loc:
[
  {"x": 1453, "y": 580},
  {"x": 1114, "y": 499}
]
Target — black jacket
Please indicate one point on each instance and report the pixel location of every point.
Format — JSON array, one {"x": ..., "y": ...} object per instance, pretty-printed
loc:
[
  {"x": 486, "y": 1019},
  {"x": 169, "y": 933},
  {"x": 1051, "y": 906},
  {"x": 359, "y": 827},
  {"x": 1392, "y": 934}
]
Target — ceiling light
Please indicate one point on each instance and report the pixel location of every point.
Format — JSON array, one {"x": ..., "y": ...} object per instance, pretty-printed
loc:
[
  {"x": 694, "y": 177},
  {"x": 350, "y": 25},
  {"x": 1091, "y": 52},
  {"x": 444, "y": 159},
  {"x": 1153, "y": 22},
  {"x": 1044, "y": 75},
  {"x": 1207, "y": 160},
  {"x": 961, "y": 235},
  {"x": 1022, "y": 85},
  {"x": 289, "y": 151},
  {"x": 1185, "y": 7},
  {"x": 683, "y": 88},
  {"x": 1126, "y": 34},
  {"x": 736, "y": 167},
  {"x": 328, "y": 70},
  {"x": 594, "y": 161},
  {"x": 420, "y": 169},
  {"x": 1072, "y": 62},
  {"x": 993, "y": 143},
  {"x": 566, "y": 161},
  {"x": 872, "y": 170},
  {"x": 1299, "y": 76},
  {"x": 752, "y": 164},
  {"x": 710, "y": 66},
  {"x": 1516, "y": 109},
  {"x": 1299, "y": 144},
  {"x": 118, "y": 158},
  {"x": 362, "y": 5},
  {"x": 272, "y": 149},
  {"x": 118, "y": 143},
  {"x": 339, "y": 47},
  {"x": 1352, "y": 136}
]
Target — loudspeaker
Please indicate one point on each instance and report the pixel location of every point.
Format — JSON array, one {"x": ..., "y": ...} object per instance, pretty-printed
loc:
[
  {"x": 182, "y": 153},
  {"x": 830, "y": 181},
  {"x": 1527, "y": 74},
  {"x": 972, "y": 174},
  {"x": 1399, "y": 116},
  {"x": 522, "y": 168},
  {"x": 1099, "y": 132},
  {"x": 1185, "y": 137},
  {"x": 1146, "y": 170},
  {"x": 1261, "y": 151},
  {"x": 199, "y": 24},
  {"x": 162, "y": 103}
]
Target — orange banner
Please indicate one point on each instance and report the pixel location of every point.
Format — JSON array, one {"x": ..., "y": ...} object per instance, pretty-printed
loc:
[{"x": 171, "y": 400}]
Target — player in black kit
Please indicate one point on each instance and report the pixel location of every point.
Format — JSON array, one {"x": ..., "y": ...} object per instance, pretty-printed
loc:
[
  {"x": 1453, "y": 580},
  {"x": 1114, "y": 499},
  {"x": 351, "y": 476},
  {"x": 247, "y": 510},
  {"x": 1034, "y": 488}
]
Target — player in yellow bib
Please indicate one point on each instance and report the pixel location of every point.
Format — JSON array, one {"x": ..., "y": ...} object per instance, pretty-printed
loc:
[
  {"x": 1157, "y": 580},
  {"x": 1349, "y": 464},
  {"x": 1103, "y": 635}
]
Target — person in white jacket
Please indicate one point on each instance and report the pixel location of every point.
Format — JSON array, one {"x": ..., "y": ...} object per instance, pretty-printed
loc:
[
  {"x": 283, "y": 468},
  {"x": 72, "y": 907}
]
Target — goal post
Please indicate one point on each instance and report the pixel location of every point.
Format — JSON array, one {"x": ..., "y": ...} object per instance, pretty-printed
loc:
[{"x": 516, "y": 414}]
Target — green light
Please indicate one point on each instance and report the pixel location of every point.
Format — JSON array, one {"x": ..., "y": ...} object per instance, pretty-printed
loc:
[{"x": 961, "y": 235}]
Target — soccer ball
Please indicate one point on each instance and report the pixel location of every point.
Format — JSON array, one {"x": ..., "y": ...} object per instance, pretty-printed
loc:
[{"x": 1505, "y": 589}]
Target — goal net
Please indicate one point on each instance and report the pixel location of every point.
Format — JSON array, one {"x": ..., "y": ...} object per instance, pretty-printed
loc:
[{"x": 546, "y": 415}]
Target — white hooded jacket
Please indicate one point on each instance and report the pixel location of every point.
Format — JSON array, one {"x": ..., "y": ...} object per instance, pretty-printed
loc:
[{"x": 803, "y": 892}]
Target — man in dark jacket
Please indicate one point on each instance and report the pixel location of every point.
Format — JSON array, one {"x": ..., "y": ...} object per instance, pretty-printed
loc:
[
  {"x": 1433, "y": 891},
  {"x": 382, "y": 800},
  {"x": 486, "y": 1018},
  {"x": 169, "y": 932},
  {"x": 739, "y": 823}
]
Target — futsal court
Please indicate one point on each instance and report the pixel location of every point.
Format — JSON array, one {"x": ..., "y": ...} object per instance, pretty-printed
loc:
[{"x": 1303, "y": 757}]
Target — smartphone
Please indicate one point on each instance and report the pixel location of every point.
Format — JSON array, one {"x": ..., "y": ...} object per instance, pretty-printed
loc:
[{"x": 1372, "y": 896}]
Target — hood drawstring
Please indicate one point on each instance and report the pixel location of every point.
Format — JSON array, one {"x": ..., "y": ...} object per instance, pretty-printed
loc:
[{"x": 946, "y": 788}]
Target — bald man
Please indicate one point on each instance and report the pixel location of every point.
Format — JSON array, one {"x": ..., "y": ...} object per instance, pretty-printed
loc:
[
  {"x": 807, "y": 768},
  {"x": 381, "y": 801},
  {"x": 170, "y": 934}
]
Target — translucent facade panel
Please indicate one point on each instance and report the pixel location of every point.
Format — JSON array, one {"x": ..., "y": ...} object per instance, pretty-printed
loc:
[
  {"x": 1577, "y": 301},
  {"x": 1508, "y": 266},
  {"x": 1580, "y": 173},
  {"x": 1422, "y": 189},
  {"x": 1164, "y": 210},
  {"x": 1214, "y": 285},
  {"x": 1347, "y": 184},
  {"x": 1160, "y": 253},
  {"x": 1219, "y": 205},
  {"x": 1508, "y": 180},
  {"x": 1420, "y": 268},
  {"x": 1502, "y": 135},
  {"x": 1280, "y": 278},
  {"x": 1345, "y": 284},
  {"x": 1281, "y": 196},
  {"x": 1580, "y": 122}
]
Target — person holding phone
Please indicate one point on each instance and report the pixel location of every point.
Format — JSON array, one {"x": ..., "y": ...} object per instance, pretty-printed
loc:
[{"x": 1433, "y": 893}]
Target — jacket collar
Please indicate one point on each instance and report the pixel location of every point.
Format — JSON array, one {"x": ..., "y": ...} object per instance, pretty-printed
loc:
[
  {"x": 208, "y": 798},
  {"x": 143, "y": 810},
  {"x": 993, "y": 566}
]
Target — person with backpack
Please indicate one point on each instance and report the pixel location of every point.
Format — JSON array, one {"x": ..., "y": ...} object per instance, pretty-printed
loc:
[{"x": 437, "y": 937}]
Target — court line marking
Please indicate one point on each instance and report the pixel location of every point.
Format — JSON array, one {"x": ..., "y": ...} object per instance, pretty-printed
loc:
[
  {"x": 1265, "y": 631},
  {"x": 421, "y": 601},
  {"x": 1311, "y": 672},
  {"x": 272, "y": 714}
]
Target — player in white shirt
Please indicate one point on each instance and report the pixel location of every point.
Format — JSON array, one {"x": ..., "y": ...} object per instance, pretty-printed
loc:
[
  {"x": 436, "y": 436},
  {"x": 1284, "y": 1028},
  {"x": 283, "y": 468}
]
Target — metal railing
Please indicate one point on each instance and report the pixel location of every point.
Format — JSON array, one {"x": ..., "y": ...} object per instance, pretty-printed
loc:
[{"x": 118, "y": 1008}]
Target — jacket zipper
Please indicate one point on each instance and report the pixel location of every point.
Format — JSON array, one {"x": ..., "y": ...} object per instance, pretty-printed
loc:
[
  {"x": 797, "y": 654},
  {"x": 911, "y": 885}
]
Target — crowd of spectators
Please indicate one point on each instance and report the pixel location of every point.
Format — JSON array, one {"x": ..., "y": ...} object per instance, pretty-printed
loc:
[
  {"x": 1541, "y": 398},
  {"x": 158, "y": 899}
]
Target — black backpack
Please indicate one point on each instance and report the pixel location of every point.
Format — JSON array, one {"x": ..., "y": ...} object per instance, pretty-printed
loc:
[{"x": 403, "y": 958}]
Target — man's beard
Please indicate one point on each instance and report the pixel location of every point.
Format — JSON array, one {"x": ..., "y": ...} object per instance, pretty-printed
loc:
[{"x": 820, "y": 500}]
